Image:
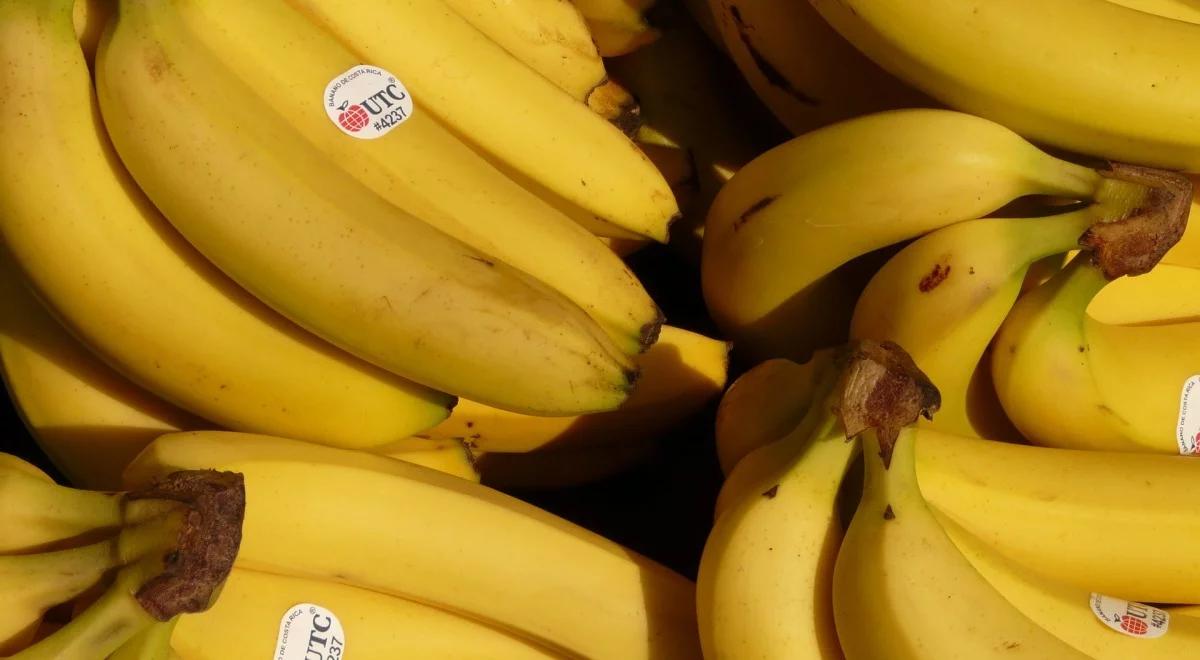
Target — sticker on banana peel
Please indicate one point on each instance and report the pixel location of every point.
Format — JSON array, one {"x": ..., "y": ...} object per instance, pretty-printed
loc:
[
  {"x": 367, "y": 102},
  {"x": 1132, "y": 619},
  {"x": 1187, "y": 432},
  {"x": 309, "y": 631}
]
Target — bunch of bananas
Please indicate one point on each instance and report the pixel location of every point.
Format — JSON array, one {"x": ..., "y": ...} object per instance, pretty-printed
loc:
[{"x": 91, "y": 574}]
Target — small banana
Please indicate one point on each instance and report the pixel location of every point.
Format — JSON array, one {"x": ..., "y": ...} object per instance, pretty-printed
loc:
[
  {"x": 618, "y": 27},
  {"x": 448, "y": 531},
  {"x": 901, "y": 589},
  {"x": 92, "y": 250},
  {"x": 1069, "y": 612},
  {"x": 373, "y": 626},
  {"x": 797, "y": 213},
  {"x": 1011, "y": 62}
]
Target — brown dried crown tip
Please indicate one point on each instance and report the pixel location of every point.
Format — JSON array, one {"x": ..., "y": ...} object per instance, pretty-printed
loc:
[
  {"x": 881, "y": 388},
  {"x": 1134, "y": 245},
  {"x": 215, "y": 505}
]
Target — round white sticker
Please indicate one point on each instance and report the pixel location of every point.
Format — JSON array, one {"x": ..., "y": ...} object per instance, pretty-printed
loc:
[
  {"x": 1132, "y": 619},
  {"x": 309, "y": 631},
  {"x": 1187, "y": 431},
  {"x": 367, "y": 102}
]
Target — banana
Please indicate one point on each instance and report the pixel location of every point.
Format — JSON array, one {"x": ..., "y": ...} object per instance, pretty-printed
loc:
[
  {"x": 39, "y": 513},
  {"x": 801, "y": 68},
  {"x": 1013, "y": 63},
  {"x": 763, "y": 589},
  {"x": 90, "y": 18},
  {"x": 376, "y": 626},
  {"x": 1114, "y": 523},
  {"x": 1180, "y": 10},
  {"x": 684, "y": 88},
  {"x": 1068, "y": 612},
  {"x": 679, "y": 375},
  {"x": 92, "y": 250},
  {"x": 324, "y": 249},
  {"x": 9, "y": 462},
  {"x": 424, "y": 168},
  {"x": 152, "y": 643},
  {"x": 901, "y": 589},
  {"x": 551, "y": 37},
  {"x": 1185, "y": 610},
  {"x": 564, "y": 467},
  {"x": 764, "y": 404},
  {"x": 1050, "y": 337},
  {"x": 88, "y": 419},
  {"x": 798, "y": 212},
  {"x": 944, "y": 296},
  {"x": 542, "y": 136},
  {"x": 618, "y": 27},
  {"x": 1167, "y": 294},
  {"x": 455, "y": 545}
]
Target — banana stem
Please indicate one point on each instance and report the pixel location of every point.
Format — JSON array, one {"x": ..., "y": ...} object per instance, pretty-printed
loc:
[
  {"x": 1073, "y": 287},
  {"x": 38, "y": 514}
]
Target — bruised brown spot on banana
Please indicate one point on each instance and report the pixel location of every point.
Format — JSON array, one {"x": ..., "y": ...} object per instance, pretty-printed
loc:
[
  {"x": 754, "y": 209},
  {"x": 935, "y": 277},
  {"x": 770, "y": 72}
]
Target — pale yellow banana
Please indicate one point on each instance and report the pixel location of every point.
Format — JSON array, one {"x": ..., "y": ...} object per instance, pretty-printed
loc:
[
  {"x": 448, "y": 542},
  {"x": 247, "y": 616},
  {"x": 1040, "y": 67},
  {"x": 1067, "y": 612},
  {"x": 679, "y": 375},
  {"x": 801, "y": 68},
  {"x": 126, "y": 284},
  {"x": 542, "y": 135},
  {"x": 795, "y": 214},
  {"x": 618, "y": 26},
  {"x": 423, "y": 168},
  {"x": 324, "y": 249}
]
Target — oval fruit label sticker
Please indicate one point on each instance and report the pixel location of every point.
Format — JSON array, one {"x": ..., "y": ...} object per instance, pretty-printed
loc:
[
  {"x": 1132, "y": 619},
  {"x": 309, "y": 631},
  {"x": 367, "y": 102}
]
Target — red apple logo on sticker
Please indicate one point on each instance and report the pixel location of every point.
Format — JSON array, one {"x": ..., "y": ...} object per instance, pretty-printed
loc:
[
  {"x": 1133, "y": 625},
  {"x": 353, "y": 117}
]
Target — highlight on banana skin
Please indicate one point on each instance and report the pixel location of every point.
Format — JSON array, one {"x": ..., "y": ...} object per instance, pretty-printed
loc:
[{"x": 607, "y": 329}]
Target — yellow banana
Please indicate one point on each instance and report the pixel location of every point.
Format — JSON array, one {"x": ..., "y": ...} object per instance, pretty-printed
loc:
[
  {"x": 121, "y": 280},
  {"x": 88, "y": 419},
  {"x": 90, "y": 17},
  {"x": 325, "y": 250},
  {"x": 798, "y": 212},
  {"x": 543, "y": 137},
  {"x": 1084, "y": 518},
  {"x": 764, "y": 404},
  {"x": 764, "y": 586},
  {"x": 1098, "y": 403},
  {"x": 424, "y": 168},
  {"x": 618, "y": 27},
  {"x": 1180, "y": 10},
  {"x": 9, "y": 462},
  {"x": 1166, "y": 294},
  {"x": 679, "y": 375},
  {"x": 253, "y": 606},
  {"x": 453, "y": 544},
  {"x": 1069, "y": 613},
  {"x": 801, "y": 68},
  {"x": 1012, "y": 62},
  {"x": 40, "y": 514},
  {"x": 901, "y": 589},
  {"x": 944, "y": 296}
]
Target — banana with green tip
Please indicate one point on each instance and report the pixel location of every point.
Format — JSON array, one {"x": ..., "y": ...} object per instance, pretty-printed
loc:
[
  {"x": 325, "y": 250},
  {"x": 91, "y": 250},
  {"x": 795, "y": 214}
]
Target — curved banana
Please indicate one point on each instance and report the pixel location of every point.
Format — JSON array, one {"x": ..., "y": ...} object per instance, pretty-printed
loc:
[
  {"x": 542, "y": 136},
  {"x": 618, "y": 27},
  {"x": 1067, "y": 612},
  {"x": 376, "y": 626},
  {"x": 901, "y": 589},
  {"x": 327, "y": 252},
  {"x": 1082, "y": 518},
  {"x": 1013, "y": 63},
  {"x": 764, "y": 404},
  {"x": 944, "y": 296},
  {"x": 424, "y": 168},
  {"x": 448, "y": 534},
  {"x": 681, "y": 373},
  {"x": 129, "y": 287},
  {"x": 795, "y": 214},
  {"x": 764, "y": 585},
  {"x": 552, "y": 38},
  {"x": 801, "y": 68},
  {"x": 88, "y": 419},
  {"x": 1097, "y": 402}
]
